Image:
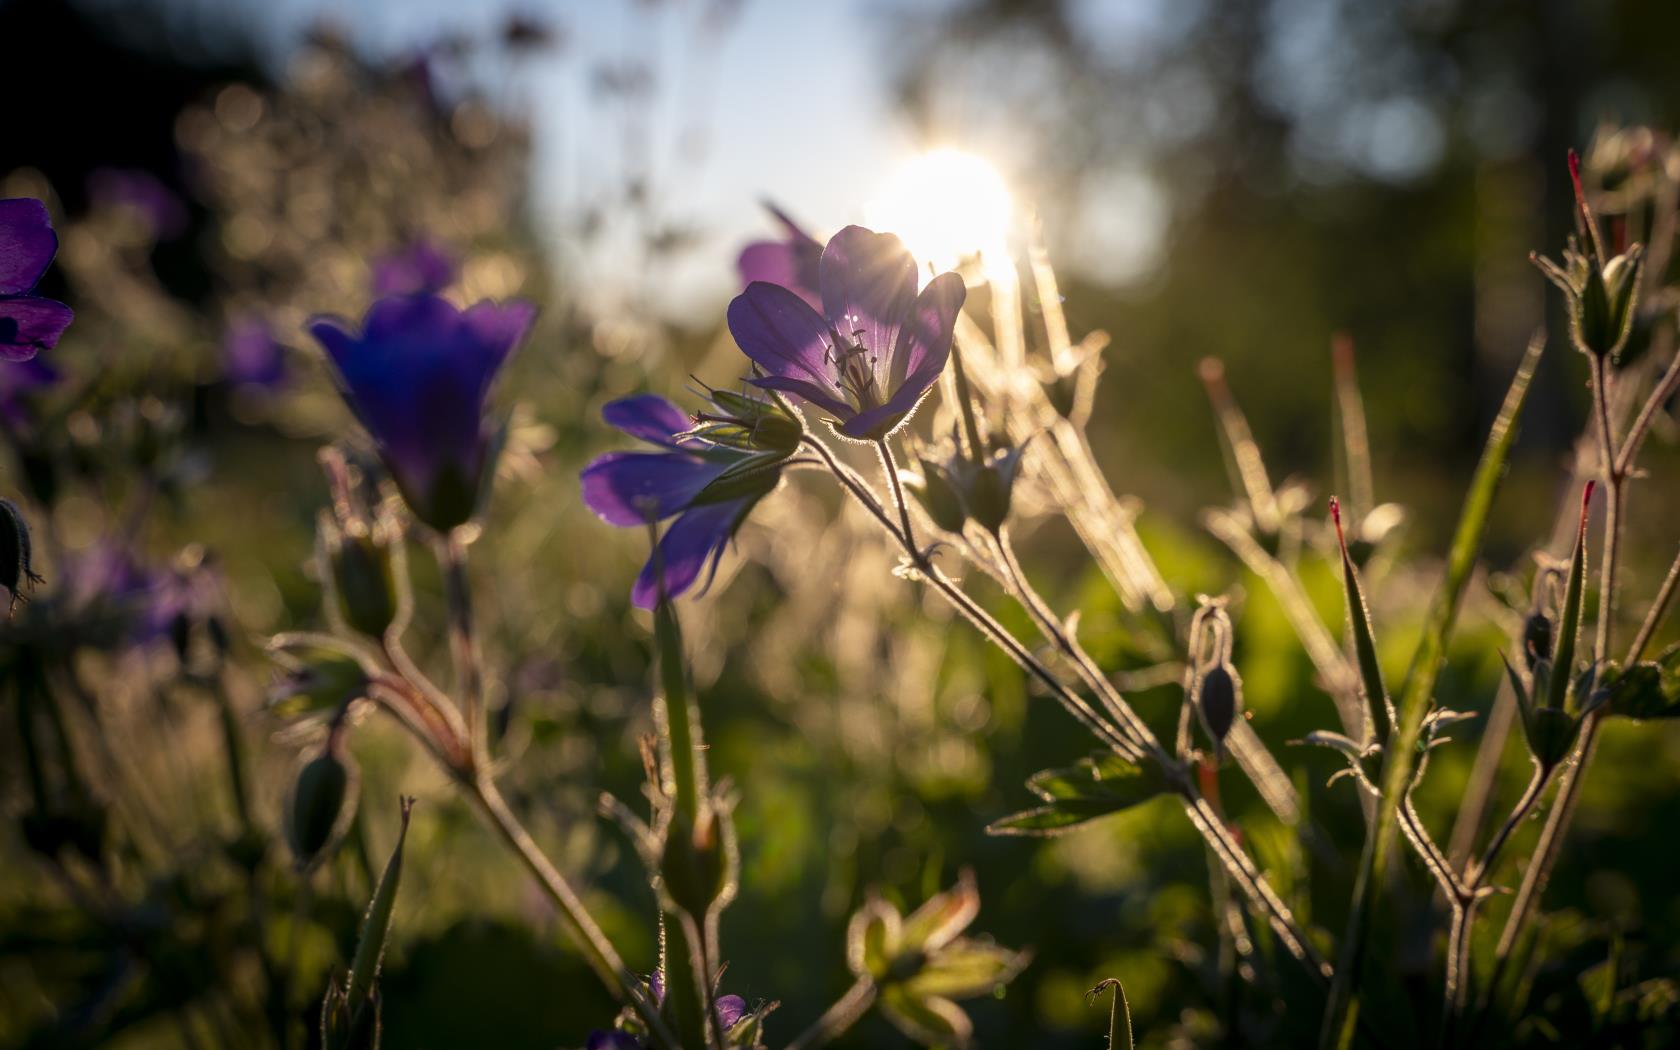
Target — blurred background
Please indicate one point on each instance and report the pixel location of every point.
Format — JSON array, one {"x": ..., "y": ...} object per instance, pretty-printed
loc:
[{"x": 1242, "y": 180}]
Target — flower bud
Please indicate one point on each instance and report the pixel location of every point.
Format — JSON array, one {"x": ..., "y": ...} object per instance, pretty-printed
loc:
[
  {"x": 751, "y": 424},
  {"x": 1218, "y": 701},
  {"x": 1538, "y": 630},
  {"x": 938, "y": 489},
  {"x": 16, "y": 553},
  {"x": 991, "y": 488},
  {"x": 321, "y": 805},
  {"x": 360, "y": 552},
  {"x": 695, "y": 864}
]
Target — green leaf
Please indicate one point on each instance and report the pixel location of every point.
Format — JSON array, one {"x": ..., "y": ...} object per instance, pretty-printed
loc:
[
  {"x": 1094, "y": 787},
  {"x": 1342, "y": 1012},
  {"x": 1569, "y": 622},
  {"x": 376, "y": 924},
  {"x": 932, "y": 1021},
  {"x": 1364, "y": 639},
  {"x": 965, "y": 968},
  {"x": 1119, "y": 1013}
]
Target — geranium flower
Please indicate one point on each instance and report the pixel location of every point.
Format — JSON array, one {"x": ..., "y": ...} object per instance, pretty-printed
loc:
[
  {"x": 418, "y": 376},
  {"x": 729, "y": 1009},
  {"x": 421, "y": 268},
  {"x": 251, "y": 356},
  {"x": 709, "y": 489},
  {"x": 791, "y": 262},
  {"x": 876, "y": 348},
  {"x": 28, "y": 323}
]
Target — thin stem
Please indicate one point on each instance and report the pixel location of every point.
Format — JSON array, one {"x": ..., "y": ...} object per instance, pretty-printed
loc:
[
  {"x": 889, "y": 466},
  {"x": 846, "y": 1011},
  {"x": 1613, "y": 512},
  {"x": 1653, "y": 616},
  {"x": 965, "y": 407},
  {"x": 1241, "y": 867},
  {"x": 598, "y": 951},
  {"x": 463, "y": 645}
]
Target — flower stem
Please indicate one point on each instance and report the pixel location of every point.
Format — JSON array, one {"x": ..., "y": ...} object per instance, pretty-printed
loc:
[
  {"x": 846, "y": 1011},
  {"x": 598, "y": 951},
  {"x": 463, "y": 645},
  {"x": 890, "y": 467}
]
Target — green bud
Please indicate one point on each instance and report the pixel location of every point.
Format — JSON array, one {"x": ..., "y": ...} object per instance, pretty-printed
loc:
[
  {"x": 752, "y": 424},
  {"x": 321, "y": 805},
  {"x": 752, "y": 478},
  {"x": 16, "y": 552},
  {"x": 992, "y": 487},
  {"x": 937, "y": 491},
  {"x": 695, "y": 864},
  {"x": 361, "y": 564},
  {"x": 1218, "y": 701}
]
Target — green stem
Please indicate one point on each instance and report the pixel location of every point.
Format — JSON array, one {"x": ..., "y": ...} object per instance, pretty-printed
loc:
[{"x": 463, "y": 645}]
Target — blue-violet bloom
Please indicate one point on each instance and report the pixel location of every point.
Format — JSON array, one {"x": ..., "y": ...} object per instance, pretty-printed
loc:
[
  {"x": 28, "y": 323},
  {"x": 709, "y": 489},
  {"x": 251, "y": 356},
  {"x": 421, "y": 268},
  {"x": 791, "y": 262},
  {"x": 418, "y": 376},
  {"x": 876, "y": 348}
]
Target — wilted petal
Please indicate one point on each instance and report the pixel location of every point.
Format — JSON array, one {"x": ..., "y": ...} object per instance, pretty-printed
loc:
[
  {"x": 784, "y": 336},
  {"x": 27, "y": 244},
  {"x": 633, "y": 488},
  {"x": 868, "y": 287},
  {"x": 695, "y": 539},
  {"x": 30, "y": 324}
]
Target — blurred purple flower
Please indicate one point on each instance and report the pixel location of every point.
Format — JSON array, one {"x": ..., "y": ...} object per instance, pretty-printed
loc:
[
  {"x": 421, "y": 268},
  {"x": 107, "y": 582},
  {"x": 728, "y": 1008},
  {"x": 18, "y": 381},
  {"x": 142, "y": 192},
  {"x": 791, "y": 262},
  {"x": 28, "y": 323},
  {"x": 876, "y": 348},
  {"x": 251, "y": 356},
  {"x": 707, "y": 488},
  {"x": 418, "y": 376}
]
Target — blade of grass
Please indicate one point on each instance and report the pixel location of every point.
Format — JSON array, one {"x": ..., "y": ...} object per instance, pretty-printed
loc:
[{"x": 1342, "y": 1011}]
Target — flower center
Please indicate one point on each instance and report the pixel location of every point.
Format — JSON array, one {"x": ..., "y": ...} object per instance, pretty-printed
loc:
[{"x": 855, "y": 368}]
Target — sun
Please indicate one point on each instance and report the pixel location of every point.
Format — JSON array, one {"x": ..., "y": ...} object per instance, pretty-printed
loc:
[{"x": 947, "y": 206}]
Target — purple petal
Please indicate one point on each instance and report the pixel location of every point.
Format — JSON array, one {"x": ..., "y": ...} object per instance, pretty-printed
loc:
[
  {"x": 27, "y": 244},
  {"x": 648, "y": 417},
  {"x": 421, "y": 268},
  {"x": 251, "y": 356},
  {"x": 694, "y": 539},
  {"x": 633, "y": 488},
  {"x": 613, "y": 1040},
  {"x": 810, "y": 392},
  {"x": 868, "y": 287},
  {"x": 924, "y": 347},
  {"x": 730, "y": 1009},
  {"x": 142, "y": 192},
  {"x": 30, "y": 324},
  {"x": 769, "y": 261},
  {"x": 782, "y": 334}
]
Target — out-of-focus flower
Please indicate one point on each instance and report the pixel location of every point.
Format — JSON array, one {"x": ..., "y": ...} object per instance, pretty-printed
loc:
[
  {"x": 418, "y": 376},
  {"x": 251, "y": 356},
  {"x": 421, "y": 268},
  {"x": 18, "y": 380},
  {"x": 709, "y": 489},
  {"x": 791, "y": 262},
  {"x": 142, "y": 195},
  {"x": 876, "y": 348},
  {"x": 28, "y": 323},
  {"x": 105, "y": 581}
]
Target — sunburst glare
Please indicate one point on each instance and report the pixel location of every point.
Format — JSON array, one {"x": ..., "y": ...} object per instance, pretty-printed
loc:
[{"x": 947, "y": 206}]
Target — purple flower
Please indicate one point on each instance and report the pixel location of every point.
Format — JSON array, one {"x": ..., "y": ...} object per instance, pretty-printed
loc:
[
  {"x": 708, "y": 488},
  {"x": 18, "y": 381},
  {"x": 875, "y": 349},
  {"x": 421, "y": 268},
  {"x": 729, "y": 1009},
  {"x": 251, "y": 356},
  {"x": 140, "y": 192},
  {"x": 791, "y": 262},
  {"x": 418, "y": 376},
  {"x": 28, "y": 323}
]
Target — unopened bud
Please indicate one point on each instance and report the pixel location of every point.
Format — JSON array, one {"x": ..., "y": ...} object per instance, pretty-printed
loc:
[
  {"x": 1538, "y": 630},
  {"x": 695, "y": 863},
  {"x": 318, "y": 674},
  {"x": 992, "y": 487},
  {"x": 321, "y": 805},
  {"x": 937, "y": 491},
  {"x": 1218, "y": 703},
  {"x": 749, "y": 423}
]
